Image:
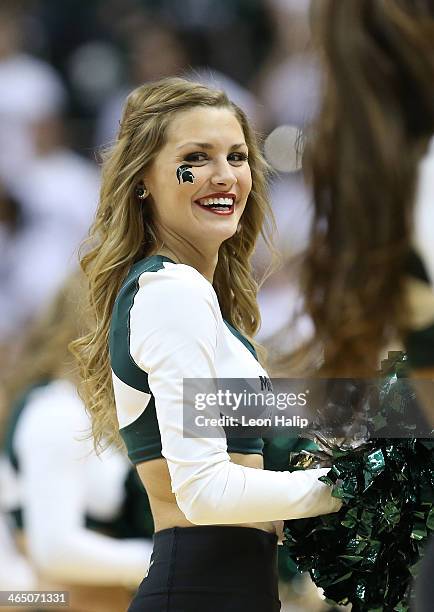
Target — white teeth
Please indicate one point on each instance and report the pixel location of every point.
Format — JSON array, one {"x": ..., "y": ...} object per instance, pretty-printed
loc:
[{"x": 214, "y": 201}]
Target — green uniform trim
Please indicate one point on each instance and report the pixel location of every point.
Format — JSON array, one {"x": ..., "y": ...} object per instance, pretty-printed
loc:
[{"x": 142, "y": 437}]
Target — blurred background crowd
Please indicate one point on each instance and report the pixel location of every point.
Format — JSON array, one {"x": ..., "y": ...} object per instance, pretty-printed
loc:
[{"x": 65, "y": 69}]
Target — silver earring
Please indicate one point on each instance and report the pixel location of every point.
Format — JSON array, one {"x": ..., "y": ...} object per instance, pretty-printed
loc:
[{"x": 141, "y": 192}]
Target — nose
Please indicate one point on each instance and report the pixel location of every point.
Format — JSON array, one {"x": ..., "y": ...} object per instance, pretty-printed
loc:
[{"x": 223, "y": 173}]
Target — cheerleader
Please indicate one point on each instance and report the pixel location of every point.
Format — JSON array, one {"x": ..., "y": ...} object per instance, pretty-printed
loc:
[
  {"x": 183, "y": 200},
  {"x": 370, "y": 158},
  {"x": 368, "y": 272}
]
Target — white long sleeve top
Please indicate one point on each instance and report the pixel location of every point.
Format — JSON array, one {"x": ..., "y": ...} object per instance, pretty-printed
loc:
[
  {"x": 167, "y": 326},
  {"x": 60, "y": 480}
]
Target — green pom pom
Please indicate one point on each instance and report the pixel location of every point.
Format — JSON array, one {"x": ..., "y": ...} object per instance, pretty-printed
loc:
[{"x": 368, "y": 553}]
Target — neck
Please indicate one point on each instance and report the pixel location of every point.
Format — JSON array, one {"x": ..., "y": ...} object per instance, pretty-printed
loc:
[{"x": 203, "y": 262}]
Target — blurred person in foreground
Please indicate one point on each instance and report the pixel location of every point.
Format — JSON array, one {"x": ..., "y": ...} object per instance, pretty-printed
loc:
[
  {"x": 83, "y": 521},
  {"x": 369, "y": 269}
]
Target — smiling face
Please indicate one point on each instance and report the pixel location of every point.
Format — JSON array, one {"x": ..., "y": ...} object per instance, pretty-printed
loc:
[{"x": 203, "y": 213}]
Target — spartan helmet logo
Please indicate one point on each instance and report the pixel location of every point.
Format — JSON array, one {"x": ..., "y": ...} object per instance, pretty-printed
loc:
[{"x": 184, "y": 173}]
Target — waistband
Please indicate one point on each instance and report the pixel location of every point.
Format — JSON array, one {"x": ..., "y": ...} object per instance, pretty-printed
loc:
[
  {"x": 220, "y": 531},
  {"x": 215, "y": 557}
]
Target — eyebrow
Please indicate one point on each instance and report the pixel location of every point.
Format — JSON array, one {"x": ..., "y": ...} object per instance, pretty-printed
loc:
[{"x": 207, "y": 145}]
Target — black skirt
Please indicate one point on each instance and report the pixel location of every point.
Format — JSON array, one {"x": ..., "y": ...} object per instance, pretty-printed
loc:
[{"x": 210, "y": 568}]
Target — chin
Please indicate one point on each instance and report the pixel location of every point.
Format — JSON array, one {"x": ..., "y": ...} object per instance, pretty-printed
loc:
[{"x": 222, "y": 234}]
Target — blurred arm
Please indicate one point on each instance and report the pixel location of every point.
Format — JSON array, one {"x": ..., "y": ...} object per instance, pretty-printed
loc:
[{"x": 52, "y": 469}]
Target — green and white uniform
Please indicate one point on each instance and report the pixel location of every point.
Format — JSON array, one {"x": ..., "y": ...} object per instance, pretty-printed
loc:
[
  {"x": 167, "y": 326},
  {"x": 83, "y": 515}
]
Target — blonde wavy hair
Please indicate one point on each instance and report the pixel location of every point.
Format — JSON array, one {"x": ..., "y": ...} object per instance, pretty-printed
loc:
[
  {"x": 44, "y": 353},
  {"x": 124, "y": 233}
]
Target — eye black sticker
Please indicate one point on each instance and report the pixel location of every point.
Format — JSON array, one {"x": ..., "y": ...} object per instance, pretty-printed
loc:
[{"x": 184, "y": 173}]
